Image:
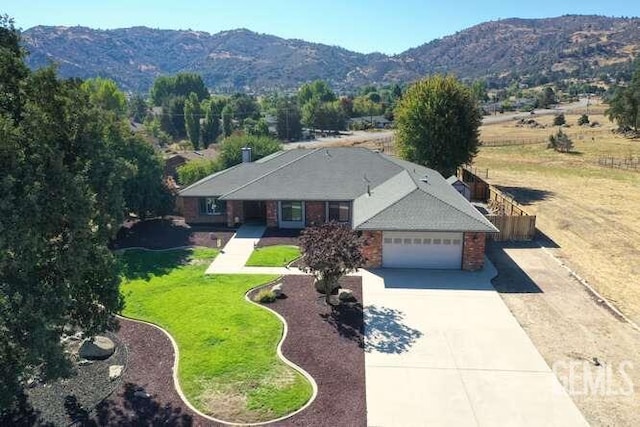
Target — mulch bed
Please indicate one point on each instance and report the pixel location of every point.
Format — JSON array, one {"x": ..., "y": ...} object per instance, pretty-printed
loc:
[
  {"x": 329, "y": 345},
  {"x": 170, "y": 232},
  {"x": 275, "y": 236},
  {"x": 149, "y": 371}
]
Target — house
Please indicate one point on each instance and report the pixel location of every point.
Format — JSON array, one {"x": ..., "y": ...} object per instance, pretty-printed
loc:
[
  {"x": 175, "y": 160},
  {"x": 409, "y": 215},
  {"x": 460, "y": 186}
]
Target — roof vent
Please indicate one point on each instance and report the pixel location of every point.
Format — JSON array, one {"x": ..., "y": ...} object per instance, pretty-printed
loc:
[{"x": 424, "y": 179}]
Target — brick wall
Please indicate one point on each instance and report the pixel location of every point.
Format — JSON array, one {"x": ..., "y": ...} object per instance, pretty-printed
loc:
[
  {"x": 271, "y": 207},
  {"x": 235, "y": 213},
  {"x": 190, "y": 210},
  {"x": 473, "y": 251},
  {"x": 372, "y": 250},
  {"x": 314, "y": 213}
]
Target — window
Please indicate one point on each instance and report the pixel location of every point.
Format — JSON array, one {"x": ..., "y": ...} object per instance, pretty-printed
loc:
[
  {"x": 446, "y": 241},
  {"x": 291, "y": 211},
  {"x": 426, "y": 241},
  {"x": 388, "y": 240},
  {"x": 407, "y": 241},
  {"x": 417, "y": 241},
  {"x": 339, "y": 211},
  {"x": 437, "y": 241},
  {"x": 212, "y": 206},
  {"x": 456, "y": 241}
]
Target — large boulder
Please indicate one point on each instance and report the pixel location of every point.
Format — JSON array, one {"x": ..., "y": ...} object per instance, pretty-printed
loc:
[
  {"x": 115, "y": 371},
  {"x": 277, "y": 290},
  {"x": 98, "y": 348}
]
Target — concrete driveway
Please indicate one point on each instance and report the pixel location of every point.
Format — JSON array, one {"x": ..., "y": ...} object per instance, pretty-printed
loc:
[{"x": 443, "y": 349}]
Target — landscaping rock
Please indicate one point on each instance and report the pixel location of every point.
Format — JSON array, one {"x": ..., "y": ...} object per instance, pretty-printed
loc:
[
  {"x": 85, "y": 362},
  {"x": 346, "y": 295},
  {"x": 277, "y": 290},
  {"x": 98, "y": 348},
  {"x": 115, "y": 371}
]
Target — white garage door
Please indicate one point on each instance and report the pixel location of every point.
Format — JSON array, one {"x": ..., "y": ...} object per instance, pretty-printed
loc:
[{"x": 422, "y": 250}]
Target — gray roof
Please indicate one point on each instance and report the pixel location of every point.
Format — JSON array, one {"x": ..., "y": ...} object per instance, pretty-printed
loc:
[{"x": 387, "y": 193}]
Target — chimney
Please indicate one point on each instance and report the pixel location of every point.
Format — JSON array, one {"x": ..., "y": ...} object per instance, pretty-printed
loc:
[{"x": 246, "y": 154}]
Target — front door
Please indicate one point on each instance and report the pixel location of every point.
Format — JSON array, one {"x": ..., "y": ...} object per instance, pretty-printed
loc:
[{"x": 255, "y": 211}]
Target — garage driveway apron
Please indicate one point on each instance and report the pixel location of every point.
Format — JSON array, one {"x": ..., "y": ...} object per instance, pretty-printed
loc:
[{"x": 443, "y": 349}]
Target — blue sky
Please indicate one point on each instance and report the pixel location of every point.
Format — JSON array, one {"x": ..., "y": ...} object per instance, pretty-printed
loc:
[{"x": 361, "y": 25}]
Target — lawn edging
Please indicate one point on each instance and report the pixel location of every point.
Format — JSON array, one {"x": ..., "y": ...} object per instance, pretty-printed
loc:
[
  {"x": 285, "y": 330},
  {"x": 176, "y": 356}
]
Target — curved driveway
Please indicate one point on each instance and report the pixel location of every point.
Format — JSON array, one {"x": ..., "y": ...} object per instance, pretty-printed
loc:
[{"x": 443, "y": 349}]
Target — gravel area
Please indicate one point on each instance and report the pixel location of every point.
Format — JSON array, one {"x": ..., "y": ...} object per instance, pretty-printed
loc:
[
  {"x": 330, "y": 346},
  {"x": 169, "y": 232},
  {"x": 54, "y": 402}
]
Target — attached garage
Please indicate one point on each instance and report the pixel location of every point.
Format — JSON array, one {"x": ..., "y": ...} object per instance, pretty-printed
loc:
[{"x": 422, "y": 250}]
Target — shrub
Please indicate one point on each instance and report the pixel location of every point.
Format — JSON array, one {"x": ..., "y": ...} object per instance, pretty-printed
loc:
[
  {"x": 560, "y": 142},
  {"x": 265, "y": 296},
  {"x": 583, "y": 120},
  {"x": 559, "y": 120}
]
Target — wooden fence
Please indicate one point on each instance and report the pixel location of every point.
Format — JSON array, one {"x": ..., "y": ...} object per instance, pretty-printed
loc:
[
  {"x": 628, "y": 163},
  {"x": 506, "y": 213}
]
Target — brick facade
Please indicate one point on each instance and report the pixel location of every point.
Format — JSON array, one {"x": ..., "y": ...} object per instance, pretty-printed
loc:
[
  {"x": 272, "y": 213},
  {"x": 315, "y": 213},
  {"x": 473, "y": 251},
  {"x": 372, "y": 249},
  {"x": 235, "y": 213},
  {"x": 190, "y": 209}
]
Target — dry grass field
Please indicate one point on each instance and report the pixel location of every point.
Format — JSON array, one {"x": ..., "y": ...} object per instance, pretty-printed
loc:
[{"x": 591, "y": 212}]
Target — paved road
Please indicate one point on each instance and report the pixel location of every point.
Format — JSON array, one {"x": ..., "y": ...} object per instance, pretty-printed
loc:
[
  {"x": 562, "y": 108},
  {"x": 443, "y": 349}
]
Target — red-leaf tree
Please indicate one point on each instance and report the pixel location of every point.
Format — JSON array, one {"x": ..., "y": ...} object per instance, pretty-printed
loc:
[{"x": 330, "y": 251}]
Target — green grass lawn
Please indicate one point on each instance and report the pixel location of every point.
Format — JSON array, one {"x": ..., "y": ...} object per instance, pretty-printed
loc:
[
  {"x": 273, "y": 256},
  {"x": 228, "y": 365}
]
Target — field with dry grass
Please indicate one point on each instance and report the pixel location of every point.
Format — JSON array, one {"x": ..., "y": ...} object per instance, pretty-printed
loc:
[{"x": 591, "y": 212}]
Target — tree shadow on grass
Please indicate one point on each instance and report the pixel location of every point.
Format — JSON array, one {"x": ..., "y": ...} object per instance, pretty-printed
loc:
[
  {"x": 385, "y": 331},
  {"x": 141, "y": 264},
  {"x": 137, "y": 409},
  {"x": 347, "y": 319}
]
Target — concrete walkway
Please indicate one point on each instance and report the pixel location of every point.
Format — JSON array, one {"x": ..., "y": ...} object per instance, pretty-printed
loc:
[
  {"x": 238, "y": 249},
  {"x": 443, "y": 349}
]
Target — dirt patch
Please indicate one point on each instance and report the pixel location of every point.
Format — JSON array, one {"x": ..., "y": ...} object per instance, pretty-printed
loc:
[
  {"x": 170, "y": 232},
  {"x": 595, "y": 355},
  {"x": 329, "y": 344}
]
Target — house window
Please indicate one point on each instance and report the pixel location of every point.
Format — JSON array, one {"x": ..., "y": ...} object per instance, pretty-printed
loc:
[
  {"x": 212, "y": 206},
  {"x": 339, "y": 211},
  {"x": 291, "y": 211}
]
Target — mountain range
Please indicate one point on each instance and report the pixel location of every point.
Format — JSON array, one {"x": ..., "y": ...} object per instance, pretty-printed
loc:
[{"x": 242, "y": 60}]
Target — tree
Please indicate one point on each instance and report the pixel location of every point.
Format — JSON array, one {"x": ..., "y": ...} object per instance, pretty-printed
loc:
[
  {"x": 547, "y": 97},
  {"x": 192, "y": 114},
  {"x": 195, "y": 170},
  {"x": 62, "y": 200},
  {"x": 166, "y": 87},
  {"x": 227, "y": 120},
  {"x": 560, "y": 142},
  {"x": 318, "y": 90},
  {"x": 231, "y": 148},
  {"x": 105, "y": 94},
  {"x": 174, "y": 111},
  {"x": 559, "y": 120},
  {"x": 330, "y": 251},
  {"x": 624, "y": 107},
  {"x": 479, "y": 90},
  {"x": 583, "y": 120},
  {"x": 211, "y": 126},
  {"x": 437, "y": 124},
  {"x": 288, "y": 120},
  {"x": 138, "y": 109}
]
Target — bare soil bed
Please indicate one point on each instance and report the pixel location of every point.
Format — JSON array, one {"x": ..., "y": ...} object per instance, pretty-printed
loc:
[
  {"x": 329, "y": 344},
  {"x": 170, "y": 232},
  {"x": 595, "y": 354}
]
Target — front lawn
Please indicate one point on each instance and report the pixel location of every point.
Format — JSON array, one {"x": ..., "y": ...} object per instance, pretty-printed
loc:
[
  {"x": 273, "y": 256},
  {"x": 228, "y": 366}
]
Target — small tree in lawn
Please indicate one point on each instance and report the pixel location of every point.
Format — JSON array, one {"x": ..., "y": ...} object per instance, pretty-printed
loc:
[{"x": 330, "y": 251}]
